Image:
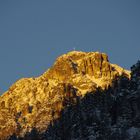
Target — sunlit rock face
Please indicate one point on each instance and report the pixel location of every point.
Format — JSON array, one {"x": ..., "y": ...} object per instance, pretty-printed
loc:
[
  {"x": 92, "y": 67},
  {"x": 37, "y": 102}
]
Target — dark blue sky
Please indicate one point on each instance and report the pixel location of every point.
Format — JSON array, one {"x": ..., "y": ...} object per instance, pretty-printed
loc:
[{"x": 34, "y": 32}]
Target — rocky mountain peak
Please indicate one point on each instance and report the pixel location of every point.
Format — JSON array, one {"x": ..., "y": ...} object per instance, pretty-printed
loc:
[
  {"x": 37, "y": 102},
  {"x": 81, "y": 66}
]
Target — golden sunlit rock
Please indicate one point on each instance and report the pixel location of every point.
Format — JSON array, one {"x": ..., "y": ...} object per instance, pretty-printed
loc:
[{"x": 36, "y": 102}]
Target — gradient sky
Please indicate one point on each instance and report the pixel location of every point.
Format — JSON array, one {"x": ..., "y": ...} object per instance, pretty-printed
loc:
[{"x": 33, "y": 33}]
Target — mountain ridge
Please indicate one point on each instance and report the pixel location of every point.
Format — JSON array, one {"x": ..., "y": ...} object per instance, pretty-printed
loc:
[{"x": 36, "y": 102}]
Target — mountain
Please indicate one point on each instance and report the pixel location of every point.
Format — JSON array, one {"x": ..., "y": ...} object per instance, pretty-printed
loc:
[{"x": 81, "y": 97}]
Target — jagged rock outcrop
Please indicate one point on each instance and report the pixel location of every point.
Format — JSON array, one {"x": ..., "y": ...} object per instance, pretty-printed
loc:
[{"x": 38, "y": 102}]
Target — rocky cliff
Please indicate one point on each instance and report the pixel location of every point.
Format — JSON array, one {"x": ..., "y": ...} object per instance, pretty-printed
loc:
[{"x": 38, "y": 103}]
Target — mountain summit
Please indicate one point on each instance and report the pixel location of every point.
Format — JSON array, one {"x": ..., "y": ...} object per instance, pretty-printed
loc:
[{"x": 36, "y": 103}]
